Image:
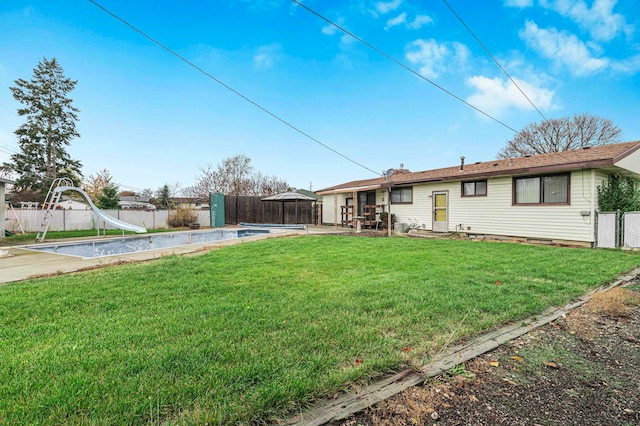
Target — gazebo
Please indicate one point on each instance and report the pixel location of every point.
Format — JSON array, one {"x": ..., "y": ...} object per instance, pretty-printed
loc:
[{"x": 289, "y": 197}]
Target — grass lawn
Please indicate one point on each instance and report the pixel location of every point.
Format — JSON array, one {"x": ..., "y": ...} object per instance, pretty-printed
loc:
[{"x": 244, "y": 333}]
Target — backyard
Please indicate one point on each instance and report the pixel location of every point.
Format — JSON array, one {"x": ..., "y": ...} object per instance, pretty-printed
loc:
[{"x": 251, "y": 332}]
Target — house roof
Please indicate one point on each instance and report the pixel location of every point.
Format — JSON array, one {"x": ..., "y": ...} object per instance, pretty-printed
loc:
[
  {"x": 600, "y": 156},
  {"x": 6, "y": 181}
]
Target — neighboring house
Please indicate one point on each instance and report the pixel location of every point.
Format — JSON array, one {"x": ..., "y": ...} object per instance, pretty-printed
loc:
[
  {"x": 3, "y": 182},
  {"x": 307, "y": 193},
  {"x": 190, "y": 203},
  {"x": 550, "y": 197},
  {"x": 135, "y": 202},
  {"x": 72, "y": 204}
]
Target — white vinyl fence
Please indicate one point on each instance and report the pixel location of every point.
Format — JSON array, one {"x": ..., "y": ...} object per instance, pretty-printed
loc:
[
  {"x": 607, "y": 229},
  {"x": 72, "y": 220},
  {"x": 615, "y": 230},
  {"x": 631, "y": 229}
]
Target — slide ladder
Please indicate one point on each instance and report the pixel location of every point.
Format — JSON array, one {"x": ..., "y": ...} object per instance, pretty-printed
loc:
[{"x": 50, "y": 204}]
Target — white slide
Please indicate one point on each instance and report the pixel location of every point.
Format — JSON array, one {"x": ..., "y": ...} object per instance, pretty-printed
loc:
[{"x": 102, "y": 215}]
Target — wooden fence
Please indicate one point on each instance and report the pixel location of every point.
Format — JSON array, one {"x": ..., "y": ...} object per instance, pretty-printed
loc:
[{"x": 252, "y": 210}]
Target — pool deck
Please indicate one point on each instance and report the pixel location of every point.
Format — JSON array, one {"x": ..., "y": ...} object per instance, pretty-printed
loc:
[{"x": 22, "y": 264}]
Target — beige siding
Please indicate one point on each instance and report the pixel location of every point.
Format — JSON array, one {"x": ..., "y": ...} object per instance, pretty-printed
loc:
[
  {"x": 419, "y": 211},
  {"x": 494, "y": 214},
  {"x": 331, "y": 207},
  {"x": 631, "y": 162}
]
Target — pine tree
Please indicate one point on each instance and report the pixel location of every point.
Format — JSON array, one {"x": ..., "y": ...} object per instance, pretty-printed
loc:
[
  {"x": 49, "y": 128},
  {"x": 163, "y": 198},
  {"x": 108, "y": 198}
]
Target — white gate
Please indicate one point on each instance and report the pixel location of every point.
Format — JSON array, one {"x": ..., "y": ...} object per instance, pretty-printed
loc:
[
  {"x": 631, "y": 229},
  {"x": 607, "y": 229}
]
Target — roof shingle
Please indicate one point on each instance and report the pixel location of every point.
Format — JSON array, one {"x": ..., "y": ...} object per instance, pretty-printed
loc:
[{"x": 600, "y": 156}]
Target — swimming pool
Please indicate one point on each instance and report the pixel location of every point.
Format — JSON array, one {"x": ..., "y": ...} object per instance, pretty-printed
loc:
[{"x": 124, "y": 245}]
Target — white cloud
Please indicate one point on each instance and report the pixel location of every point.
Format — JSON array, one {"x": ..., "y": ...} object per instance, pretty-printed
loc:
[
  {"x": 497, "y": 96},
  {"x": 435, "y": 58},
  {"x": 627, "y": 66},
  {"x": 389, "y": 6},
  {"x": 599, "y": 19},
  {"x": 401, "y": 19},
  {"x": 419, "y": 21},
  {"x": 329, "y": 29},
  {"x": 518, "y": 3},
  {"x": 563, "y": 48},
  {"x": 398, "y": 20},
  {"x": 267, "y": 56}
]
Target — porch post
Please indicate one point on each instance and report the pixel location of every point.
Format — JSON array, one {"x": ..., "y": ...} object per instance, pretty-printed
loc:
[{"x": 389, "y": 211}]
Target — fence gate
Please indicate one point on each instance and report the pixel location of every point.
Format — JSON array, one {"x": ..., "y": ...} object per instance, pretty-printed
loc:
[
  {"x": 607, "y": 229},
  {"x": 631, "y": 229}
]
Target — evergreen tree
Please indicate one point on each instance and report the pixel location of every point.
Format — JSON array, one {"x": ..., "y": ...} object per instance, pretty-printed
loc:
[
  {"x": 163, "y": 198},
  {"x": 50, "y": 125},
  {"x": 108, "y": 198}
]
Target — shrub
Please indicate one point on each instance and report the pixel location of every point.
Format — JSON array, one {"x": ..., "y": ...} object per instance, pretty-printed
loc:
[
  {"x": 181, "y": 217},
  {"x": 619, "y": 193}
]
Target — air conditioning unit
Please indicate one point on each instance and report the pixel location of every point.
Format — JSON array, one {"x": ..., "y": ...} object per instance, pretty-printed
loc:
[{"x": 400, "y": 227}]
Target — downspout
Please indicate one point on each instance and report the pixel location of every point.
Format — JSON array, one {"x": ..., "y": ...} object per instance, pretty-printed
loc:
[{"x": 335, "y": 210}]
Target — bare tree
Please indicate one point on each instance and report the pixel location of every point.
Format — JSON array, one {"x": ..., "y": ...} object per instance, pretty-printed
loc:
[
  {"x": 561, "y": 134},
  {"x": 94, "y": 185},
  {"x": 235, "y": 173},
  {"x": 267, "y": 185},
  {"x": 208, "y": 182},
  {"x": 234, "y": 176}
]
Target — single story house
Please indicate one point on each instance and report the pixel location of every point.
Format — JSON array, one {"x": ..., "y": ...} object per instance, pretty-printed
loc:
[
  {"x": 135, "y": 202},
  {"x": 549, "y": 197},
  {"x": 3, "y": 183},
  {"x": 72, "y": 204},
  {"x": 190, "y": 203}
]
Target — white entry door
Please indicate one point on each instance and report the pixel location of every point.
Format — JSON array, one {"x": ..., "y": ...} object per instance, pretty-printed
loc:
[{"x": 440, "y": 211}]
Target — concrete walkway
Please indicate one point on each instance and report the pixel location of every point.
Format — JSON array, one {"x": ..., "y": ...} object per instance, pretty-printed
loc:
[{"x": 22, "y": 264}]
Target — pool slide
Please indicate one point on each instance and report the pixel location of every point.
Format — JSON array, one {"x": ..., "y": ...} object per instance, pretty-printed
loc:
[{"x": 102, "y": 215}]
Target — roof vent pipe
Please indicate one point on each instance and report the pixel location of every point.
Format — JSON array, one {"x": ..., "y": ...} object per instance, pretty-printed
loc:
[{"x": 462, "y": 163}]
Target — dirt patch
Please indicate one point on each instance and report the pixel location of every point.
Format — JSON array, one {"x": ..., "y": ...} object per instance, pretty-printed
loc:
[{"x": 583, "y": 369}]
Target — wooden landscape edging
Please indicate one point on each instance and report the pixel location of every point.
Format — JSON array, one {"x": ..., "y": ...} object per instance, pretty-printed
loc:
[{"x": 352, "y": 402}]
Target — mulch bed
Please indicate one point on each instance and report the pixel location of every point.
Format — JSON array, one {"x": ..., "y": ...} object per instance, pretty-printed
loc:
[{"x": 583, "y": 369}]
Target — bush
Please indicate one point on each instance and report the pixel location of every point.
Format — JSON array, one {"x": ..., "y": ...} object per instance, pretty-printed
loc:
[
  {"x": 619, "y": 193},
  {"x": 181, "y": 217}
]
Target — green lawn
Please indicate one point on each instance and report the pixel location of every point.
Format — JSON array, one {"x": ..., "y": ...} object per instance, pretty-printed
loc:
[{"x": 244, "y": 333}]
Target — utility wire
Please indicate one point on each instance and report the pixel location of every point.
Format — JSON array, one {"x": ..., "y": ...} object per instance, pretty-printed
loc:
[
  {"x": 397, "y": 62},
  {"x": 226, "y": 86},
  {"x": 493, "y": 58}
]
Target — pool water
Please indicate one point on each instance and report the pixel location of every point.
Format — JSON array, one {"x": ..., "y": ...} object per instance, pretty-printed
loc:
[{"x": 111, "y": 247}]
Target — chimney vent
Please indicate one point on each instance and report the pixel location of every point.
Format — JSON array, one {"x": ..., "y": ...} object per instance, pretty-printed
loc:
[{"x": 462, "y": 163}]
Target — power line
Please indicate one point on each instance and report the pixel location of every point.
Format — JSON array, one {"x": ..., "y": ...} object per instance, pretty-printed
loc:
[
  {"x": 493, "y": 58},
  {"x": 397, "y": 62},
  {"x": 226, "y": 86}
]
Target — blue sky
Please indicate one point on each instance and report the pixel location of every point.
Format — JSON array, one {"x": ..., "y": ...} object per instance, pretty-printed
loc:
[{"x": 150, "y": 119}]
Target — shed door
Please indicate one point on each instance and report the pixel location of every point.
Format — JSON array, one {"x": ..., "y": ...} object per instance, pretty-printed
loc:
[{"x": 440, "y": 213}]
